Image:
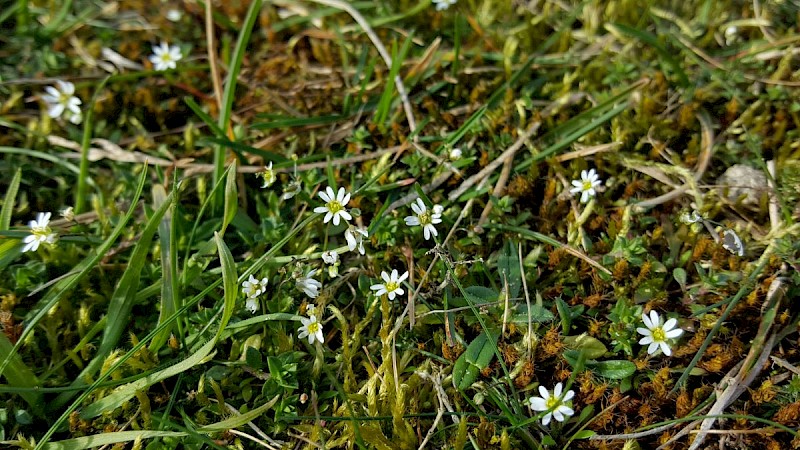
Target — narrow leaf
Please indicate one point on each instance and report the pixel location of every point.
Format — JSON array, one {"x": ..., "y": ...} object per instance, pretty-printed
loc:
[{"x": 9, "y": 200}]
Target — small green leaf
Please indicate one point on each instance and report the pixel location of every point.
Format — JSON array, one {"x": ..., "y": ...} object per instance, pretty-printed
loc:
[
  {"x": 680, "y": 276},
  {"x": 615, "y": 369},
  {"x": 583, "y": 434},
  {"x": 590, "y": 346},
  {"x": 509, "y": 268},
  {"x": 477, "y": 357}
]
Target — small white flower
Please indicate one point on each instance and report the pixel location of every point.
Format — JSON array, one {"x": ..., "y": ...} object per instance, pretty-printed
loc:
[
  {"x": 441, "y": 5},
  {"x": 688, "y": 218},
  {"x": 656, "y": 334},
  {"x": 174, "y": 15},
  {"x": 425, "y": 218},
  {"x": 268, "y": 175},
  {"x": 390, "y": 285},
  {"x": 68, "y": 214},
  {"x": 355, "y": 238},
  {"x": 165, "y": 56},
  {"x": 554, "y": 404},
  {"x": 251, "y": 305},
  {"x": 334, "y": 205},
  {"x": 732, "y": 243},
  {"x": 292, "y": 188},
  {"x": 62, "y": 101},
  {"x": 40, "y": 233},
  {"x": 311, "y": 329},
  {"x": 330, "y": 257},
  {"x": 309, "y": 285},
  {"x": 311, "y": 309},
  {"x": 589, "y": 180},
  {"x": 254, "y": 287},
  {"x": 455, "y": 154}
]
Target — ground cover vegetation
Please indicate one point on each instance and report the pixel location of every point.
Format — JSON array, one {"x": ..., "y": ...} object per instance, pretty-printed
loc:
[{"x": 404, "y": 224}]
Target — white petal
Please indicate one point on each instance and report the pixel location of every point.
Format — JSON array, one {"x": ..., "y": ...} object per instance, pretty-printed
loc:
[
  {"x": 670, "y": 324},
  {"x": 324, "y": 196},
  {"x": 546, "y": 418},
  {"x": 646, "y": 340},
  {"x": 55, "y": 110},
  {"x": 544, "y": 392},
  {"x": 412, "y": 221},
  {"x": 650, "y": 325},
  {"x": 665, "y": 348},
  {"x": 644, "y": 331},
  {"x": 403, "y": 277},
  {"x": 568, "y": 396},
  {"x": 672, "y": 334},
  {"x": 537, "y": 404},
  {"x": 558, "y": 416},
  {"x": 557, "y": 390},
  {"x": 565, "y": 410},
  {"x": 652, "y": 348},
  {"x": 654, "y": 319}
]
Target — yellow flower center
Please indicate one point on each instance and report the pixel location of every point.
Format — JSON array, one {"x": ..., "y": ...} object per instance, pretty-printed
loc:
[
  {"x": 334, "y": 206},
  {"x": 313, "y": 327},
  {"x": 425, "y": 218},
  {"x": 659, "y": 335},
  {"x": 587, "y": 185},
  {"x": 391, "y": 286},
  {"x": 551, "y": 402}
]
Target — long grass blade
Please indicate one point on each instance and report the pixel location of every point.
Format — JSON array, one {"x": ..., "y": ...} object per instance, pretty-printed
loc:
[{"x": 9, "y": 201}]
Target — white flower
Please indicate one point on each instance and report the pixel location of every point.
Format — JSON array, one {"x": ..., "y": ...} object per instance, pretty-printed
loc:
[
  {"x": 268, "y": 175},
  {"x": 355, "y": 238},
  {"x": 589, "y": 180},
  {"x": 455, "y": 154},
  {"x": 391, "y": 284},
  {"x": 311, "y": 309},
  {"x": 40, "y": 233},
  {"x": 732, "y": 243},
  {"x": 554, "y": 404},
  {"x": 165, "y": 56},
  {"x": 62, "y": 101},
  {"x": 656, "y": 334},
  {"x": 251, "y": 305},
  {"x": 68, "y": 214},
  {"x": 292, "y": 188},
  {"x": 425, "y": 218},
  {"x": 441, "y": 5},
  {"x": 308, "y": 284},
  {"x": 254, "y": 287},
  {"x": 334, "y": 205},
  {"x": 330, "y": 257},
  {"x": 312, "y": 329},
  {"x": 173, "y": 15}
]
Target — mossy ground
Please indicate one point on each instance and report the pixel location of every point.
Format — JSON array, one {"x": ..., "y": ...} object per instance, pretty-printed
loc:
[{"x": 135, "y": 320}]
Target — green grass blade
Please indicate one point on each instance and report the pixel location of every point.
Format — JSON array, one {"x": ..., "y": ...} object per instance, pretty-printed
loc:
[
  {"x": 83, "y": 177},
  {"x": 67, "y": 283},
  {"x": 208, "y": 120},
  {"x": 230, "y": 87},
  {"x": 241, "y": 419},
  {"x": 170, "y": 296},
  {"x": 126, "y": 392},
  {"x": 231, "y": 199},
  {"x": 385, "y": 103},
  {"x": 651, "y": 40},
  {"x": 19, "y": 375},
  {"x": 105, "y": 439},
  {"x": 121, "y": 304},
  {"x": 230, "y": 283},
  {"x": 9, "y": 200}
]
